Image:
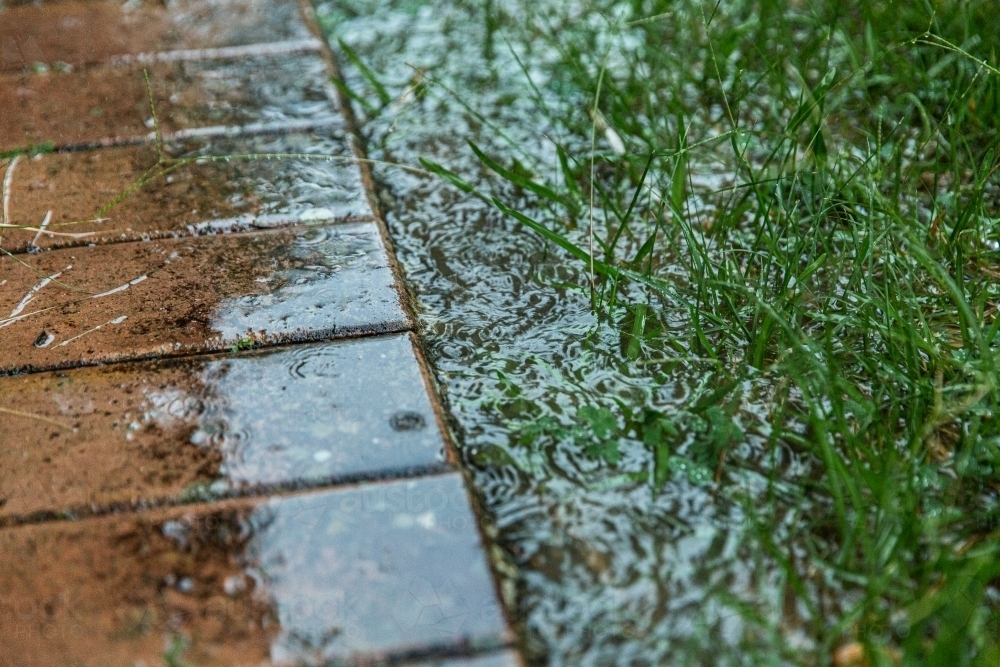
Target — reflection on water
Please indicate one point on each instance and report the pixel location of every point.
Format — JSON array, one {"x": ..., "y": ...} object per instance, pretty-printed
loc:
[
  {"x": 381, "y": 569},
  {"x": 246, "y": 91},
  {"x": 89, "y": 33},
  {"x": 216, "y": 194},
  {"x": 284, "y": 190},
  {"x": 337, "y": 279},
  {"x": 319, "y": 411},
  {"x": 391, "y": 567}
]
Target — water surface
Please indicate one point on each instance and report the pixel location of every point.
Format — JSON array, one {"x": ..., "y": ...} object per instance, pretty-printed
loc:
[{"x": 608, "y": 568}]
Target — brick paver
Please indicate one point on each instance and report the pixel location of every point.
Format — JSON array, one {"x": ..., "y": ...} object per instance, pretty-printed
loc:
[
  {"x": 374, "y": 570},
  {"x": 110, "y": 103},
  {"x": 180, "y": 296},
  {"x": 190, "y": 199},
  {"x": 87, "y": 32},
  {"x": 168, "y": 431},
  {"x": 168, "y": 493}
]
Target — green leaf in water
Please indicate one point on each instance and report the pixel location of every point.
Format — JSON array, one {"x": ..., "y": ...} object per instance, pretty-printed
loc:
[
  {"x": 658, "y": 434},
  {"x": 600, "y": 420},
  {"x": 447, "y": 175},
  {"x": 520, "y": 177},
  {"x": 694, "y": 473},
  {"x": 366, "y": 72}
]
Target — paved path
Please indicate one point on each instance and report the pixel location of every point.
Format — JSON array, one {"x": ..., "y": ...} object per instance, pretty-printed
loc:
[{"x": 218, "y": 443}]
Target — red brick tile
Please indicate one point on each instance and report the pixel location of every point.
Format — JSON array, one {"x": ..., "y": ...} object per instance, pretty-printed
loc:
[
  {"x": 179, "y": 296},
  {"x": 207, "y": 197},
  {"x": 111, "y": 103},
  {"x": 82, "y": 32}
]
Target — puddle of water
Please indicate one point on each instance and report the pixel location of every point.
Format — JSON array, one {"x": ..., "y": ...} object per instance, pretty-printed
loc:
[
  {"x": 611, "y": 571},
  {"x": 342, "y": 283},
  {"x": 307, "y": 191},
  {"x": 244, "y": 91},
  {"x": 386, "y": 569},
  {"x": 234, "y": 22}
]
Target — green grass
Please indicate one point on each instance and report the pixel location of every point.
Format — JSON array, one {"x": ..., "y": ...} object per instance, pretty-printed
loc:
[{"x": 846, "y": 257}]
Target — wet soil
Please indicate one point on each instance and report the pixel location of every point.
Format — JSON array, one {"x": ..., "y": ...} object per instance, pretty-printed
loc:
[
  {"x": 82, "y": 438},
  {"x": 114, "y": 592}
]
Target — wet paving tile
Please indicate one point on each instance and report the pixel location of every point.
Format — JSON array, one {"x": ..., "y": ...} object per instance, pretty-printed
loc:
[
  {"x": 322, "y": 578},
  {"x": 108, "y": 102},
  {"x": 181, "y": 296},
  {"x": 193, "y": 428},
  {"x": 206, "y": 197},
  {"x": 81, "y": 32}
]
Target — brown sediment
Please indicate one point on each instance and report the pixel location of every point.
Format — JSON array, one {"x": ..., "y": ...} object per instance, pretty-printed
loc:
[
  {"x": 117, "y": 591},
  {"x": 112, "y": 102},
  {"x": 83, "y": 32},
  {"x": 101, "y": 436},
  {"x": 77, "y": 187},
  {"x": 179, "y": 281},
  {"x": 156, "y": 298}
]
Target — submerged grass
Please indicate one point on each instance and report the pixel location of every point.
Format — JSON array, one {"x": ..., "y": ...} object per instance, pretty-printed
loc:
[
  {"x": 852, "y": 261},
  {"x": 803, "y": 196}
]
